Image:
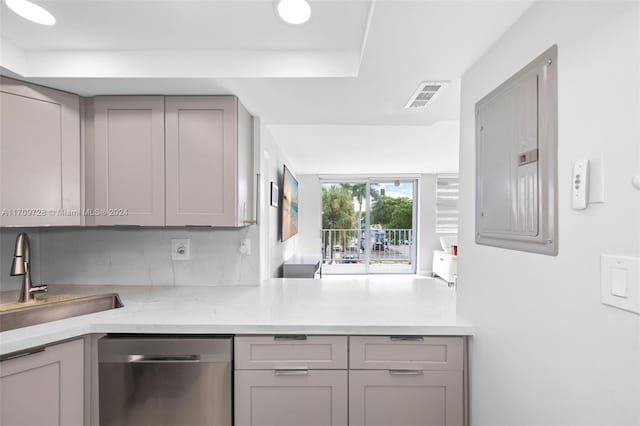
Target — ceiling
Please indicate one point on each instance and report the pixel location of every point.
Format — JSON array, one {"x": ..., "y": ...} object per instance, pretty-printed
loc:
[
  {"x": 355, "y": 63},
  {"x": 357, "y": 77},
  {"x": 199, "y": 24}
]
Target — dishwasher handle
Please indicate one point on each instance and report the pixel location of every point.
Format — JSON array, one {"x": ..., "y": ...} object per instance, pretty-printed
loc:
[{"x": 162, "y": 358}]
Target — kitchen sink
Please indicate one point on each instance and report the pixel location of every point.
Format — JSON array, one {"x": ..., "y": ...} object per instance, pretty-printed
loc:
[{"x": 52, "y": 308}]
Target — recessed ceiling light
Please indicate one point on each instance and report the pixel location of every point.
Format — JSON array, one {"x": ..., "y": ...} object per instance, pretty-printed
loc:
[
  {"x": 31, "y": 11},
  {"x": 294, "y": 12}
]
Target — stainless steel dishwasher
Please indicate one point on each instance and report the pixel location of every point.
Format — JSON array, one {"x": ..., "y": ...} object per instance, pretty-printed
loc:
[{"x": 165, "y": 380}]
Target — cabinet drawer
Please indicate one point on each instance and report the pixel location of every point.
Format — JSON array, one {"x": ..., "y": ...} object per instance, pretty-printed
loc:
[
  {"x": 290, "y": 398},
  {"x": 281, "y": 352},
  {"x": 405, "y": 398},
  {"x": 414, "y": 352}
]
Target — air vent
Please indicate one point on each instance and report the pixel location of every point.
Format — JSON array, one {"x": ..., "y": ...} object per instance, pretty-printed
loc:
[{"x": 424, "y": 94}]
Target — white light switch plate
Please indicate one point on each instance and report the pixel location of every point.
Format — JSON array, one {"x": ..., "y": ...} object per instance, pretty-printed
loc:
[{"x": 620, "y": 282}]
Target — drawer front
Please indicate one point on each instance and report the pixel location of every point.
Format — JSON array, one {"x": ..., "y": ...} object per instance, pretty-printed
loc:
[
  {"x": 419, "y": 353},
  {"x": 282, "y": 352},
  {"x": 406, "y": 398},
  {"x": 290, "y": 398}
]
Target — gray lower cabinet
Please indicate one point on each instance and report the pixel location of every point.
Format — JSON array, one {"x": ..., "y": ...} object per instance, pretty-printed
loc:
[
  {"x": 387, "y": 381},
  {"x": 405, "y": 398},
  {"x": 44, "y": 388},
  {"x": 291, "y": 380},
  {"x": 291, "y": 398},
  {"x": 406, "y": 381}
]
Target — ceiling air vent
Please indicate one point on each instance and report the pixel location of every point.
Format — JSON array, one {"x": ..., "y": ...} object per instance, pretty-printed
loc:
[{"x": 424, "y": 94}]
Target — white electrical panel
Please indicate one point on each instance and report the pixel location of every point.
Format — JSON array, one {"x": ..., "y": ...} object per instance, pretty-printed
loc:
[{"x": 516, "y": 160}]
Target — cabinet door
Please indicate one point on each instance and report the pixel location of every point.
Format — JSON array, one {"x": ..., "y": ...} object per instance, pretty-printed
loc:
[
  {"x": 405, "y": 398},
  {"x": 129, "y": 160},
  {"x": 291, "y": 398},
  {"x": 45, "y": 388},
  {"x": 39, "y": 156},
  {"x": 202, "y": 156}
]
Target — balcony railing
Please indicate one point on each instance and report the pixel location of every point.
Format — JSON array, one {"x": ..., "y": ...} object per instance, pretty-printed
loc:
[{"x": 342, "y": 246}]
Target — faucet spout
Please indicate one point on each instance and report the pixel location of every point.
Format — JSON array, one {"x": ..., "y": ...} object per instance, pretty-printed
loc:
[{"x": 22, "y": 266}]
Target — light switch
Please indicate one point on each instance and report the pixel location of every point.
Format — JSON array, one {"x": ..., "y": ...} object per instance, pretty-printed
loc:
[{"x": 620, "y": 282}]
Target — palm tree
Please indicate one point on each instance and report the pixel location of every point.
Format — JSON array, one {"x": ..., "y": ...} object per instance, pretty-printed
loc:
[{"x": 359, "y": 192}]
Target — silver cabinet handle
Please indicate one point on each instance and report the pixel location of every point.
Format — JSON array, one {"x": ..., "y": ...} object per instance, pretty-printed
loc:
[
  {"x": 290, "y": 337},
  {"x": 291, "y": 372},
  {"x": 163, "y": 358},
  {"x": 407, "y": 338},
  {"x": 406, "y": 372}
]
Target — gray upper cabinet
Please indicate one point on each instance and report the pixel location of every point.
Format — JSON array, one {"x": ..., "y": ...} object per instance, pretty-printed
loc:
[
  {"x": 44, "y": 388},
  {"x": 209, "y": 159},
  {"x": 168, "y": 161},
  {"x": 39, "y": 156},
  {"x": 128, "y": 161},
  {"x": 516, "y": 157}
]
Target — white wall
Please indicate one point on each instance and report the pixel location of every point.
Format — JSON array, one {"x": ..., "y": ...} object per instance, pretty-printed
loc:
[
  {"x": 310, "y": 238},
  {"x": 273, "y": 251},
  {"x": 428, "y": 240},
  {"x": 325, "y": 149},
  {"x": 135, "y": 256},
  {"x": 546, "y": 352}
]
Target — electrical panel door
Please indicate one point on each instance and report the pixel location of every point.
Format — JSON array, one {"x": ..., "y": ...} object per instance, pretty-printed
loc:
[{"x": 516, "y": 156}]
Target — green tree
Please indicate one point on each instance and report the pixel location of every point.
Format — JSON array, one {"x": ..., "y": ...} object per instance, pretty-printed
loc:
[
  {"x": 381, "y": 211},
  {"x": 402, "y": 215},
  {"x": 359, "y": 191},
  {"x": 393, "y": 213},
  {"x": 337, "y": 208}
]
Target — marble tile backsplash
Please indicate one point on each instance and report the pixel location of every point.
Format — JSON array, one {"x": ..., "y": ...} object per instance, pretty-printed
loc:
[{"x": 135, "y": 256}]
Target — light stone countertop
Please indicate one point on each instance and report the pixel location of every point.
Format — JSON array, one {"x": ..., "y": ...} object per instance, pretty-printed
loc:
[{"x": 354, "y": 306}]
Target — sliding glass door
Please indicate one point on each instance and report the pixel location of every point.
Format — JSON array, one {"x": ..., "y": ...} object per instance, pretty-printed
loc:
[
  {"x": 344, "y": 224},
  {"x": 368, "y": 226}
]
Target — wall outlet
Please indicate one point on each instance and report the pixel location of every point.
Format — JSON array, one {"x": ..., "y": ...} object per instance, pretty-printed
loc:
[
  {"x": 245, "y": 246},
  {"x": 181, "y": 249}
]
